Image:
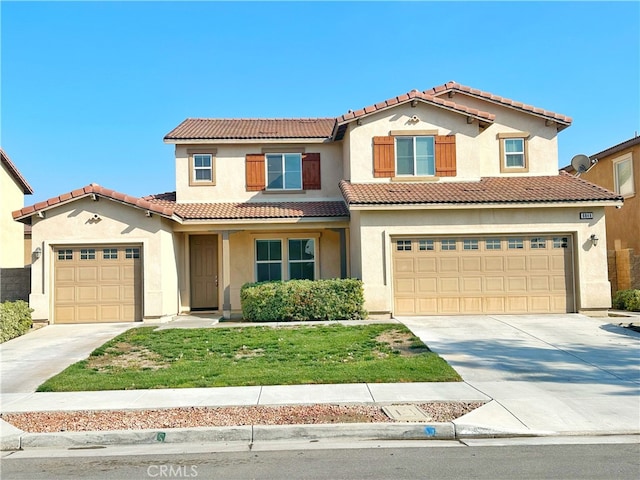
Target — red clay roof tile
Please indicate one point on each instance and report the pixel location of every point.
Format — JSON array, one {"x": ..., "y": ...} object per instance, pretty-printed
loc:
[
  {"x": 454, "y": 86},
  {"x": 250, "y": 210},
  {"x": 251, "y": 128},
  {"x": 92, "y": 189},
  {"x": 489, "y": 190}
]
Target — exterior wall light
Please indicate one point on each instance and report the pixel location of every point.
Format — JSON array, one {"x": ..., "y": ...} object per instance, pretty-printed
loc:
[
  {"x": 37, "y": 253},
  {"x": 594, "y": 239}
]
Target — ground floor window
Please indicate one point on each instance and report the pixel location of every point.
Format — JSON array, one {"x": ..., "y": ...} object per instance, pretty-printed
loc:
[{"x": 298, "y": 255}]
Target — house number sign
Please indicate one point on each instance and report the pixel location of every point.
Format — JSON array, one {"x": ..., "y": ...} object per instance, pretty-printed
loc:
[{"x": 586, "y": 215}]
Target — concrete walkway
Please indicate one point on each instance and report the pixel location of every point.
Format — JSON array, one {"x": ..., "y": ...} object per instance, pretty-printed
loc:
[
  {"x": 540, "y": 375},
  {"x": 29, "y": 360}
]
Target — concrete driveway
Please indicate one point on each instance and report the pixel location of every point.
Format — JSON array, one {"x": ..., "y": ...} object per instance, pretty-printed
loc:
[
  {"x": 546, "y": 373},
  {"x": 29, "y": 360}
]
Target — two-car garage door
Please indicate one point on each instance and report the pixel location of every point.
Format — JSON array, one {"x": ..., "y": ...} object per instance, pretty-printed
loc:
[
  {"x": 97, "y": 283},
  {"x": 467, "y": 275}
]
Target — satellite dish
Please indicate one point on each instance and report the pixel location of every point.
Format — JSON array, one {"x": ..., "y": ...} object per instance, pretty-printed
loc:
[{"x": 581, "y": 163}]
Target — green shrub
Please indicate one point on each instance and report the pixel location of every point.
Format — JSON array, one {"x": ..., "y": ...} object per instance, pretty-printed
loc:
[
  {"x": 15, "y": 319},
  {"x": 627, "y": 300},
  {"x": 302, "y": 300}
]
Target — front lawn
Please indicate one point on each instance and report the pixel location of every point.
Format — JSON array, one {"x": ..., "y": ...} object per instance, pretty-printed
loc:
[{"x": 220, "y": 357}]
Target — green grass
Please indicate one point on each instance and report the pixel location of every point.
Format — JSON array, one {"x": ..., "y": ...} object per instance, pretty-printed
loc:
[{"x": 219, "y": 357}]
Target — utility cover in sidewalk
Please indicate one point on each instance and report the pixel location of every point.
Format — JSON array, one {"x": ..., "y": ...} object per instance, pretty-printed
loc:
[{"x": 406, "y": 413}]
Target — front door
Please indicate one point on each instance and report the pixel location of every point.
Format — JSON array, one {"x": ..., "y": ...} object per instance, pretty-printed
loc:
[{"x": 204, "y": 272}]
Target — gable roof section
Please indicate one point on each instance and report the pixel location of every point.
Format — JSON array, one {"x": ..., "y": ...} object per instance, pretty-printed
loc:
[
  {"x": 562, "y": 188},
  {"x": 250, "y": 128},
  {"x": 616, "y": 148},
  {"x": 250, "y": 210},
  {"x": 452, "y": 87},
  {"x": 411, "y": 96},
  {"x": 17, "y": 176},
  {"x": 92, "y": 189}
]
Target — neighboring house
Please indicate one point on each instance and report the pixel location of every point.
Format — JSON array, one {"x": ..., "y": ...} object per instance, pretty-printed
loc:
[
  {"x": 445, "y": 201},
  {"x": 13, "y": 188},
  {"x": 618, "y": 169},
  {"x": 27, "y": 245},
  {"x": 14, "y": 278}
]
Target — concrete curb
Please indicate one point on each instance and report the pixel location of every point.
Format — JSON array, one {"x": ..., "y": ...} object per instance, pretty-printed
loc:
[{"x": 19, "y": 440}]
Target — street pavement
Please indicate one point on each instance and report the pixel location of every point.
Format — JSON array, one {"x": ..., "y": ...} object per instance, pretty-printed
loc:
[{"x": 539, "y": 374}]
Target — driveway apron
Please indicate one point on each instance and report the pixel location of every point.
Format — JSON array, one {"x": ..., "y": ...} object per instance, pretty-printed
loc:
[
  {"x": 29, "y": 360},
  {"x": 553, "y": 373}
]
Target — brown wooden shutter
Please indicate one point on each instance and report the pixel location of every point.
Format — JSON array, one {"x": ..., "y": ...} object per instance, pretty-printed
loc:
[
  {"x": 445, "y": 155},
  {"x": 384, "y": 157},
  {"x": 254, "y": 167},
  {"x": 311, "y": 171}
]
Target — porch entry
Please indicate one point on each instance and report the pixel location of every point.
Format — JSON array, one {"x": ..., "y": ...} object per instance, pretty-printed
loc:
[{"x": 204, "y": 271}]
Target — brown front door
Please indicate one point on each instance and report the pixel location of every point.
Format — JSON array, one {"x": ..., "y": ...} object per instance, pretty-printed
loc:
[{"x": 204, "y": 272}]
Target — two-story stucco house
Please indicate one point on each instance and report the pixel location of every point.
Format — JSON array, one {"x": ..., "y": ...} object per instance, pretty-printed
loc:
[{"x": 443, "y": 201}]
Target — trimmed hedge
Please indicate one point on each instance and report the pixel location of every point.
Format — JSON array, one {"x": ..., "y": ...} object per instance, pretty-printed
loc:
[
  {"x": 15, "y": 319},
  {"x": 303, "y": 300},
  {"x": 627, "y": 300}
]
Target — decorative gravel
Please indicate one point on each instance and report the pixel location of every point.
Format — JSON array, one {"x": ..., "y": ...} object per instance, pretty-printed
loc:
[{"x": 37, "y": 422}]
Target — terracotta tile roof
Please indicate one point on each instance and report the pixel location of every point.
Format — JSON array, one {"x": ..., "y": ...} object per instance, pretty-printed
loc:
[
  {"x": 94, "y": 189},
  {"x": 26, "y": 188},
  {"x": 419, "y": 96},
  {"x": 250, "y": 210},
  {"x": 489, "y": 190},
  {"x": 251, "y": 128},
  {"x": 474, "y": 92}
]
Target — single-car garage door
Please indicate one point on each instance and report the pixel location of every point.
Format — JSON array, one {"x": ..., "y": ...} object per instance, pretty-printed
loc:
[
  {"x": 467, "y": 275},
  {"x": 97, "y": 283}
]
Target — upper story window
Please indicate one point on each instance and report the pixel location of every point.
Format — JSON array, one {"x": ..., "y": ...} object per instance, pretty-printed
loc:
[
  {"x": 623, "y": 175},
  {"x": 284, "y": 171},
  {"x": 415, "y": 156},
  {"x": 513, "y": 152},
  {"x": 408, "y": 154},
  {"x": 201, "y": 167}
]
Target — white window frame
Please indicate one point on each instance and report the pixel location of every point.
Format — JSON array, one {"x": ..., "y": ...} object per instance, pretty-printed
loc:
[
  {"x": 520, "y": 152},
  {"x": 197, "y": 169},
  {"x": 617, "y": 162},
  {"x": 415, "y": 163},
  {"x": 283, "y": 169}
]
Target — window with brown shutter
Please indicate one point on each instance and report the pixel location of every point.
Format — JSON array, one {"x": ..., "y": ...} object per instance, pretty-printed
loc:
[
  {"x": 254, "y": 167},
  {"x": 385, "y": 161},
  {"x": 384, "y": 157},
  {"x": 311, "y": 171},
  {"x": 445, "y": 155}
]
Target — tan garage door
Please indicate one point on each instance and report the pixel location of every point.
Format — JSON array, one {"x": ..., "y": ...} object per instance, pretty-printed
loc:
[
  {"x": 97, "y": 283},
  {"x": 467, "y": 275}
]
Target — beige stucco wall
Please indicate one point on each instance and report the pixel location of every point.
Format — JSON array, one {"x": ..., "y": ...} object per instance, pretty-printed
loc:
[
  {"x": 74, "y": 223},
  {"x": 11, "y": 233},
  {"x": 377, "y": 227},
  {"x": 243, "y": 259},
  {"x": 230, "y": 175},
  {"x": 477, "y": 152}
]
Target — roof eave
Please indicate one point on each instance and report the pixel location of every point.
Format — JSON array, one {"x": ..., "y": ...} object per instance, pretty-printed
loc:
[{"x": 478, "y": 205}]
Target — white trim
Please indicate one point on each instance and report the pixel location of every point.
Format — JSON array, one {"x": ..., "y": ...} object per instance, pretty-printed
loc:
[{"x": 627, "y": 157}]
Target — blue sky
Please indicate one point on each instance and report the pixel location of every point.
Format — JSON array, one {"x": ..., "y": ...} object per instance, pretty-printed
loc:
[{"x": 89, "y": 89}]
